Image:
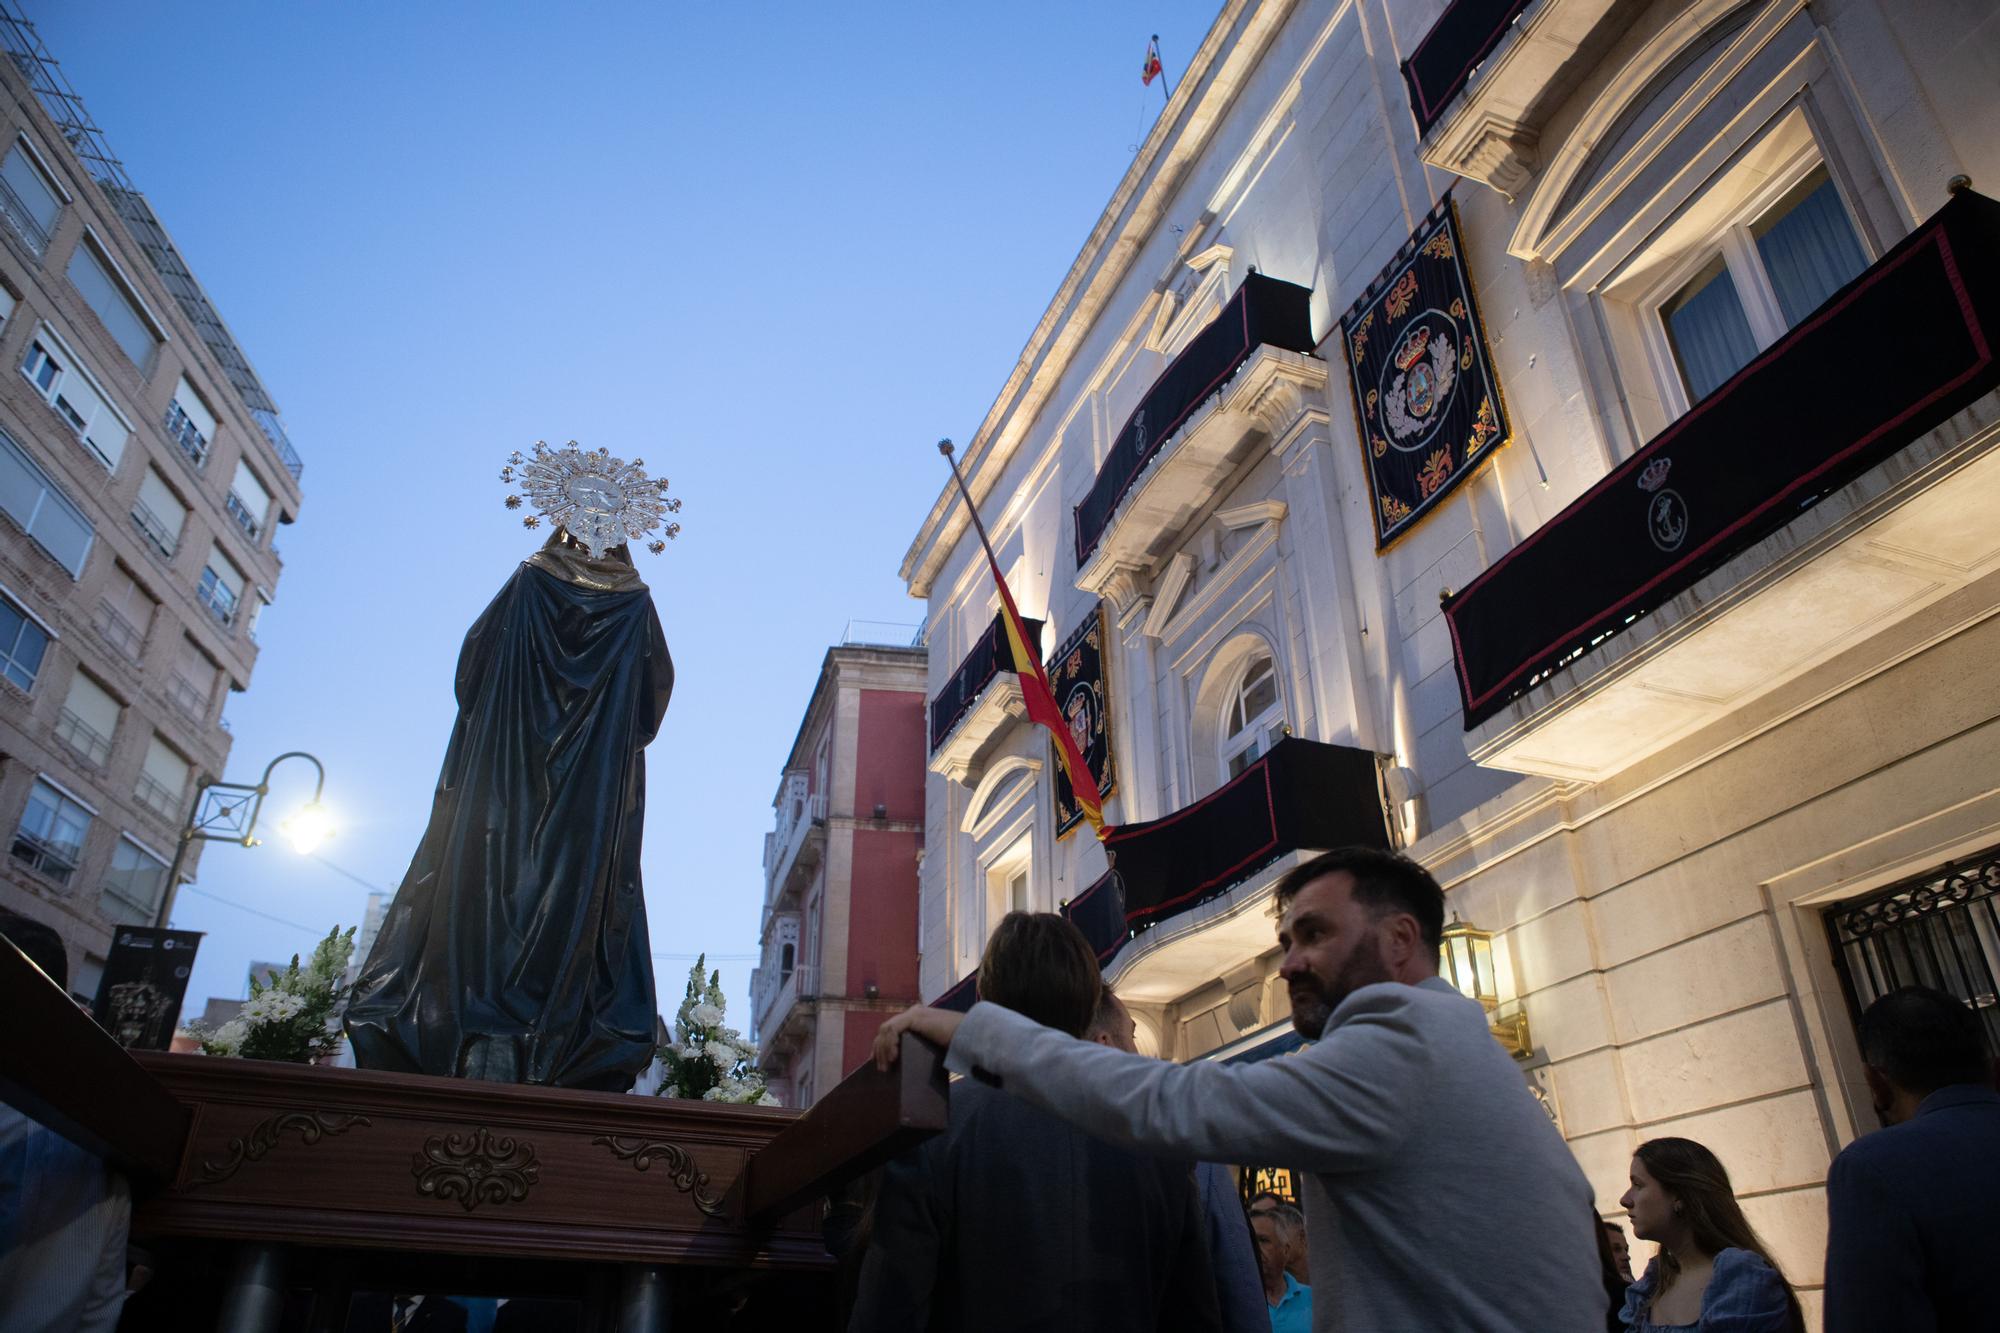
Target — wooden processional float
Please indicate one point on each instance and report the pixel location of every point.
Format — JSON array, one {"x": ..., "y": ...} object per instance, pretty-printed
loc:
[{"x": 273, "y": 1196}]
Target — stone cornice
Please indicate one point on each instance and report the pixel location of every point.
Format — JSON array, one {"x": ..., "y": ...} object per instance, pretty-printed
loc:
[{"x": 1207, "y": 90}]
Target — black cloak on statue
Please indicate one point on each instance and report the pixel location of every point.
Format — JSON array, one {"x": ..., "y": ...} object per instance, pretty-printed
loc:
[{"x": 516, "y": 949}]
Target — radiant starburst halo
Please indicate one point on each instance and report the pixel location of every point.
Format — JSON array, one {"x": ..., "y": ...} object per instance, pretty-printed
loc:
[{"x": 602, "y": 501}]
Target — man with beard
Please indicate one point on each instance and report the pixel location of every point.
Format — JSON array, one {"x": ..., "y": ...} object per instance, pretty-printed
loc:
[{"x": 1438, "y": 1194}]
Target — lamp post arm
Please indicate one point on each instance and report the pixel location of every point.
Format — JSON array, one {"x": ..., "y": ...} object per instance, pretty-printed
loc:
[{"x": 319, "y": 785}]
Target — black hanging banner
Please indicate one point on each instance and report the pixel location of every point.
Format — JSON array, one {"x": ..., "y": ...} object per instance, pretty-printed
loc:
[
  {"x": 1077, "y": 673},
  {"x": 1424, "y": 390},
  {"x": 144, "y": 983}
]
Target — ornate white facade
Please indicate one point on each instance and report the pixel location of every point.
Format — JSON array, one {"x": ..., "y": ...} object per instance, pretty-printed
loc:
[{"x": 1657, "y": 831}]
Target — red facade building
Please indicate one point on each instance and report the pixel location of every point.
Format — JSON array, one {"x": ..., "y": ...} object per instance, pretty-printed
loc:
[{"x": 840, "y": 872}]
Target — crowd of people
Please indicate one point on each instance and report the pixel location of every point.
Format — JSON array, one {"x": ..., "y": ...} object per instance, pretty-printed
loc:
[{"x": 1076, "y": 1188}]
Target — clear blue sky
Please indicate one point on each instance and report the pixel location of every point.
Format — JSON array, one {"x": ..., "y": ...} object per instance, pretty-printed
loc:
[{"x": 775, "y": 250}]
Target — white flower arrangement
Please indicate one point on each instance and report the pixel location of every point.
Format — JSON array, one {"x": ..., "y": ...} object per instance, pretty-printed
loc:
[
  {"x": 707, "y": 1060},
  {"x": 291, "y": 1015}
]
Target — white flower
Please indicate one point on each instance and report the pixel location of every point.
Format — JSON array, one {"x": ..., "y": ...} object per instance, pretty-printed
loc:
[
  {"x": 705, "y": 1015},
  {"x": 713, "y": 1094},
  {"x": 724, "y": 1054},
  {"x": 272, "y": 1006},
  {"x": 226, "y": 1039},
  {"x": 766, "y": 1099}
]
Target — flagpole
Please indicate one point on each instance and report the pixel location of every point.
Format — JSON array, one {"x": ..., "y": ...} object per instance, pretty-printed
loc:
[
  {"x": 944, "y": 447},
  {"x": 1166, "y": 86}
]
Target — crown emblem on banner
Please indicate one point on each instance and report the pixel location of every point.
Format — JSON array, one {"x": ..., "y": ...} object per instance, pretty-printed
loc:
[
  {"x": 1412, "y": 349},
  {"x": 1655, "y": 475}
]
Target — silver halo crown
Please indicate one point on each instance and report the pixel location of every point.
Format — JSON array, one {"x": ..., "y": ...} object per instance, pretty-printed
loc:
[{"x": 602, "y": 501}]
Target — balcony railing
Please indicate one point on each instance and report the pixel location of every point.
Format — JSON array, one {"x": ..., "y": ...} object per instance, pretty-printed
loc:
[
  {"x": 153, "y": 529},
  {"x": 799, "y": 850},
  {"x": 183, "y": 432},
  {"x": 82, "y": 738},
  {"x": 1463, "y": 36},
  {"x": 185, "y": 695},
  {"x": 1912, "y": 340},
  {"x": 119, "y": 632},
  {"x": 58, "y": 863},
  {"x": 795, "y": 988},
  {"x": 22, "y": 220},
  {"x": 154, "y": 795},
  {"x": 1264, "y": 312},
  {"x": 990, "y": 656}
]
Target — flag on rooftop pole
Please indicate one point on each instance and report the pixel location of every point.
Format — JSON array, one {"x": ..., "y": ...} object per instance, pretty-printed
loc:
[
  {"x": 1036, "y": 692},
  {"x": 1152, "y": 69}
]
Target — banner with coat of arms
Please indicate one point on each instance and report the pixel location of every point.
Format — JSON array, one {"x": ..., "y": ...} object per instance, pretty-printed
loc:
[
  {"x": 1077, "y": 673},
  {"x": 1424, "y": 388}
]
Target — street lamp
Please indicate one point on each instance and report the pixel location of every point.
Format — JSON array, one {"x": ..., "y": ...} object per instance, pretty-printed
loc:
[
  {"x": 1465, "y": 959},
  {"x": 227, "y": 812}
]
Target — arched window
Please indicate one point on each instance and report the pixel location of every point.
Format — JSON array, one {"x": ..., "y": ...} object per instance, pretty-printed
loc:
[
  {"x": 1253, "y": 718},
  {"x": 786, "y": 957}
]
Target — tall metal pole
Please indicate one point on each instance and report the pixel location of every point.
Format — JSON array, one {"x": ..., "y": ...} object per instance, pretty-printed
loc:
[
  {"x": 162, "y": 917},
  {"x": 1166, "y": 88}
]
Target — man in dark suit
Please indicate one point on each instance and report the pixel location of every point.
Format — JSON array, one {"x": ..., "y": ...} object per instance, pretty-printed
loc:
[
  {"x": 373, "y": 1312},
  {"x": 1012, "y": 1219},
  {"x": 1912, "y": 1223}
]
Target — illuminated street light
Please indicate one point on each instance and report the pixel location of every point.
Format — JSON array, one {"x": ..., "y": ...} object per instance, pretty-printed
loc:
[{"x": 227, "y": 812}]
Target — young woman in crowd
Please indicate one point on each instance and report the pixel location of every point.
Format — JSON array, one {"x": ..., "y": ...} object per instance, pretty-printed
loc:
[{"x": 1713, "y": 1274}]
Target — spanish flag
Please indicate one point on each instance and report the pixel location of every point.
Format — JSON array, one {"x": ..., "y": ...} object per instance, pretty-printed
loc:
[
  {"x": 1151, "y": 69},
  {"x": 1036, "y": 691}
]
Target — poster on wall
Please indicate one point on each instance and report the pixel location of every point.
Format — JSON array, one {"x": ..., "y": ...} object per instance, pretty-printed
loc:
[
  {"x": 1425, "y": 394},
  {"x": 1077, "y": 674}
]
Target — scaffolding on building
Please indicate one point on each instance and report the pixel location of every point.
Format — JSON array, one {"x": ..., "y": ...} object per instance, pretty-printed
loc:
[{"x": 65, "y": 106}]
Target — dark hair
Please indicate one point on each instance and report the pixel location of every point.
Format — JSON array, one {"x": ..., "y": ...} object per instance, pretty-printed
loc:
[
  {"x": 1040, "y": 966},
  {"x": 1608, "y": 1275},
  {"x": 1922, "y": 1040},
  {"x": 1694, "y": 1178},
  {"x": 41, "y": 943},
  {"x": 1383, "y": 883}
]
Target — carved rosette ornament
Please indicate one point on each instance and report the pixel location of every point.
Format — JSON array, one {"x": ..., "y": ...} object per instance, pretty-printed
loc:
[
  {"x": 480, "y": 1167},
  {"x": 310, "y": 1126},
  {"x": 681, "y": 1170}
]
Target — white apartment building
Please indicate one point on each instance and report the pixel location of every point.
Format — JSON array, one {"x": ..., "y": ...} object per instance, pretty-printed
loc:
[
  {"x": 1719, "y": 610},
  {"x": 143, "y": 473}
]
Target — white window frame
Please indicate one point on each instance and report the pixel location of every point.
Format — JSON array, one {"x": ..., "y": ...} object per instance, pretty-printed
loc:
[
  {"x": 68, "y": 363},
  {"x": 1257, "y": 728},
  {"x": 48, "y": 631},
  {"x": 42, "y": 851},
  {"x": 1013, "y": 866},
  {"x": 50, "y": 492},
  {"x": 39, "y": 245},
  {"x": 180, "y": 424}
]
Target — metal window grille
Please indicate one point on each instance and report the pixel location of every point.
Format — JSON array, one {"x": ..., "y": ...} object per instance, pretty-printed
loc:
[
  {"x": 1941, "y": 929},
  {"x": 149, "y": 523},
  {"x": 83, "y": 738},
  {"x": 58, "y": 863},
  {"x": 22, "y": 220},
  {"x": 155, "y": 797},
  {"x": 244, "y": 518},
  {"x": 215, "y": 595},
  {"x": 119, "y": 632},
  {"x": 182, "y": 431}
]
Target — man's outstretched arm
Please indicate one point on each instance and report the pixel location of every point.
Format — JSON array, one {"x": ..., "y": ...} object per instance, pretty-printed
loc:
[{"x": 1345, "y": 1103}]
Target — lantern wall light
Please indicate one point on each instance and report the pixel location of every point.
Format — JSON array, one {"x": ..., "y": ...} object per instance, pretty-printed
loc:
[{"x": 1465, "y": 959}]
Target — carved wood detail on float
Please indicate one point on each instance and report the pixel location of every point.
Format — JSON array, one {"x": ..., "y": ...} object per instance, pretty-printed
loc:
[
  {"x": 311, "y": 1126},
  {"x": 480, "y": 1167},
  {"x": 685, "y": 1175}
]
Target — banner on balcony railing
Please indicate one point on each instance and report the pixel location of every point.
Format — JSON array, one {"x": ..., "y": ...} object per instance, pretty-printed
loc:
[
  {"x": 1425, "y": 394},
  {"x": 1077, "y": 673}
]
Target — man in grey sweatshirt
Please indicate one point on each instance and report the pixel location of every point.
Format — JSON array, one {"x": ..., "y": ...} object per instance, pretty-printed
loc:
[{"x": 1438, "y": 1194}]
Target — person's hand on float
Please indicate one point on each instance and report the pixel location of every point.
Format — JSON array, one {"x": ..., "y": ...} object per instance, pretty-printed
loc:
[{"x": 937, "y": 1025}]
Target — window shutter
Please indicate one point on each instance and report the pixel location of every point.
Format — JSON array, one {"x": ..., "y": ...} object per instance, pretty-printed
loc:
[
  {"x": 92, "y": 706},
  {"x": 154, "y": 494},
  {"x": 166, "y": 768},
  {"x": 194, "y": 409},
  {"x": 246, "y": 488}
]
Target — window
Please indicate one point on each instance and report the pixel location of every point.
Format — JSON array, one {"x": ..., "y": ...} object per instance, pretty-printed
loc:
[
  {"x": 24, "y": 641},
  {"x": 248, "y": 501},
  {"x": 95, "y": 276},
  {"x": 258, "y": 604},
  {"x": 787, "y": 957},
  {"x": 189, "y": 422},
  {"x": 1008, "y": 881},
  {"x": 88, "y": 719},
  {"x": 133, "y": 884},
  {"x": 28, "y": 198},
  {"x": 191, "y": 684},
  {"x": 53, "y": 827},
  {"x": 163, "y": 781},
  {"x": 125, "y": 614},
  {"x": 221, "y": 589},
  {"x": 1254, "y": 717},
  {"x": 62, "y": 384},
  {"x": 43, "y": 512},
  {"x": 1768, "y": 274},
  {"x": 158, "y": 513}
]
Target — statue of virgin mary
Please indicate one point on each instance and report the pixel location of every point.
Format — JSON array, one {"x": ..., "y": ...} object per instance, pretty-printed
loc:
[{"x": 516, "y": 948}]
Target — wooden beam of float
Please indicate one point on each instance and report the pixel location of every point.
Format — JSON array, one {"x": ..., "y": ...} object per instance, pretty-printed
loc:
[
  {"x": 862, "y": 1123},
  {"x": 58, "y": 1067}
]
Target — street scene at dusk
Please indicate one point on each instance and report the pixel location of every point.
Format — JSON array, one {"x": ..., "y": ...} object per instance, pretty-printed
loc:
[{"x": 1311, "y": 664}]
